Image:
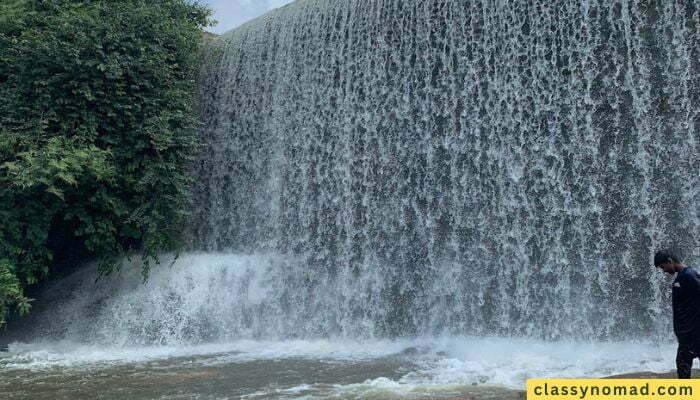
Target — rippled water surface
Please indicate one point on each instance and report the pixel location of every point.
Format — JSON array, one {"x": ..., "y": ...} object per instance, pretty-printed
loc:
[{"x": 450, "y": 367}]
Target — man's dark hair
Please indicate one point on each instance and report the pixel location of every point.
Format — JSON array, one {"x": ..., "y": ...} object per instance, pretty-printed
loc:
[{"x": 663, "y": 256}]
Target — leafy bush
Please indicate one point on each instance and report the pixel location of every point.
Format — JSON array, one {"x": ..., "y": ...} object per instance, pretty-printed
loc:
[{"x": 97, "y": 127}]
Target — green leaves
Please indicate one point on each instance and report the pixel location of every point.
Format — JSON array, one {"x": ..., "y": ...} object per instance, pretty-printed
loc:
[
  {"x": 59, "y": 165},
  {"x": 97, "y": 127},
  {"x": 11, "y": 291}
]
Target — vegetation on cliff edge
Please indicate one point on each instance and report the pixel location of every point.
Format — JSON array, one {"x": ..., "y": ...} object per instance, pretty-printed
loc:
[{"x": 97, "y": 127}]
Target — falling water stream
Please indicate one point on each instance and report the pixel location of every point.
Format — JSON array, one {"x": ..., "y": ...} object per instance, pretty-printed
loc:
[{"x": 405, "y": 199}]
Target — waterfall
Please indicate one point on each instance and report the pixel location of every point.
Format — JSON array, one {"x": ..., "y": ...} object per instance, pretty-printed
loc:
[
  {"x": 384, "y": 168},
  {"x": 501, "y": 167}
]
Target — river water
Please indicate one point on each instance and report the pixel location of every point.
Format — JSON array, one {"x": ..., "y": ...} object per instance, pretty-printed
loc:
[{"x": 446, "y": 367}]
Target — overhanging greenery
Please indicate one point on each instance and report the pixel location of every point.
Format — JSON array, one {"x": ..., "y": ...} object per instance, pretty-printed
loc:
[{"x": 97, "y": 127}]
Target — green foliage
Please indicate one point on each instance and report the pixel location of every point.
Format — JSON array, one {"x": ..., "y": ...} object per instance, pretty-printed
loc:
[
  {"x": 11, "y": 290},
  {"x": 97, "y": 127}
]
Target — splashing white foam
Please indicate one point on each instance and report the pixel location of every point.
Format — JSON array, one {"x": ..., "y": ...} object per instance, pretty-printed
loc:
[{"x": 439, "y": 362}]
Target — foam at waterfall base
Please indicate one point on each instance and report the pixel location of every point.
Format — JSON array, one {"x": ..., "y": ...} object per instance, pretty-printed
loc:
[{"x": 437, "y": 361}]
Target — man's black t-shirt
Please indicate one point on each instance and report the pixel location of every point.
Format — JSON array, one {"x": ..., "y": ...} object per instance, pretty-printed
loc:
[{"x": 686, "y": 305}]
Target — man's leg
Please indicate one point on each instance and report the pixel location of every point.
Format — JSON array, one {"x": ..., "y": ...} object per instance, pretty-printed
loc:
[{"x": 684, "y": 360}]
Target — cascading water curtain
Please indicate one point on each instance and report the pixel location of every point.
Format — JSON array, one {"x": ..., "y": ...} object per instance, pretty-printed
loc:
[{"x": 456, "y": 166}]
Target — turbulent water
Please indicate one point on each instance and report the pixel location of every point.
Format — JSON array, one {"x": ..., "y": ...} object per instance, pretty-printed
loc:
[
  {"x": 122, "y": 339},
  {"x": 479, "y": 167},
  {"x": 432, "y": 368},
  {"x": 402, "y": 199}
]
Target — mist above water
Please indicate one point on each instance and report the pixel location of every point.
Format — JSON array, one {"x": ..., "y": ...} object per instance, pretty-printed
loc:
[{"x": 191, "y": 331}]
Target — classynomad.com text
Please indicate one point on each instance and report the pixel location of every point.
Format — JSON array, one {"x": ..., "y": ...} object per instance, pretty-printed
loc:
[{"x": 612, "y": 389}]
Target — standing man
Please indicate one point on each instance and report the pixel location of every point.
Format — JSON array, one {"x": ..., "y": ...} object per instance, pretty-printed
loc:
[{"x": 686, "y": 309}]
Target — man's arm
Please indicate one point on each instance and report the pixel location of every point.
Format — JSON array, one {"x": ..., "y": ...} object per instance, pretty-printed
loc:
[{"x": 690, "y": 283}]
